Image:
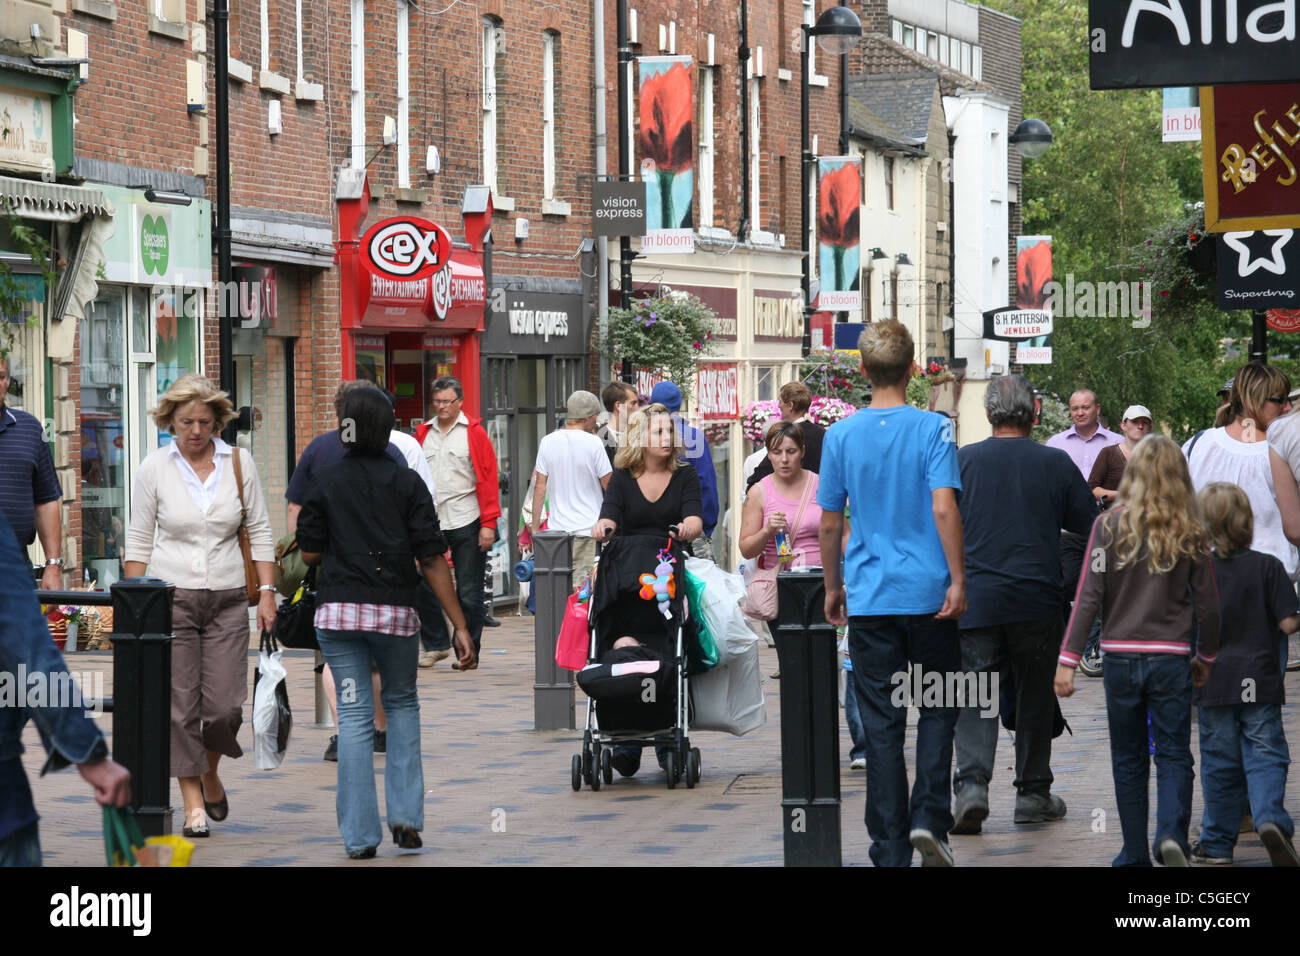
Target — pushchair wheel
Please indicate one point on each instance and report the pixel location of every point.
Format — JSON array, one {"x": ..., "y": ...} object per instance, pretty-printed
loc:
[
  {"x": 597, "y": 759},
  {"x": 577, "y": 772},
  {"x": 670, "y": 768},
  {"x": 606, "y": 766},
  {"x": 693, "y": 768}
]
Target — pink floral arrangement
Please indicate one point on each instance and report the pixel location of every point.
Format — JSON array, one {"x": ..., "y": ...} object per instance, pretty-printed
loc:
[
  {"x": 827, "y": 411},
  {"x": 758, "y": 415}
]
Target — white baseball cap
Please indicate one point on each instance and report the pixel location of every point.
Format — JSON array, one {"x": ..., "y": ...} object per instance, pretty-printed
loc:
[{"x": 1136, "y": 411}]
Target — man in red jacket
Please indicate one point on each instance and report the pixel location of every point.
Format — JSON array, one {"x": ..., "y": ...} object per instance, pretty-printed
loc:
[{"x": 464, "y": 466}]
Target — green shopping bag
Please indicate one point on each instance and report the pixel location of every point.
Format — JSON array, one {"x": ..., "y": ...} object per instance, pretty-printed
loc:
[
  {"x": 702, "y": 651},
  {"x": 123, "y": 842}
]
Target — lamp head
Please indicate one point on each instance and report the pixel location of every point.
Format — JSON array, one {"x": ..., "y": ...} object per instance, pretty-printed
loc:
[
  {"x": 902, "y": 259},
  {"x": 1032, "y": 138},
  {"x": 838, "y": 30},
  {"x": 877, "y": 254}
]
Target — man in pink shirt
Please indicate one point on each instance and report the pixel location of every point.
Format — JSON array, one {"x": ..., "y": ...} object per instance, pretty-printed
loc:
[{"x": 1084, "y": 440}]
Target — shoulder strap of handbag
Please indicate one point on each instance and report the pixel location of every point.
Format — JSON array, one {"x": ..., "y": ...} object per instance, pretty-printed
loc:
[
  {"x": 239, "y": 484},
  {"x": 803, "y": 505},
  {"x": 1195, "y": 439}
]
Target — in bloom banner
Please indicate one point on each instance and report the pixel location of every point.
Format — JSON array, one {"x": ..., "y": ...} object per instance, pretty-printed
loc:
[
  {"x": 1033, "y": 272},
  {"x": 839, "y": 200},
  {"x": 665, "y": 98}
]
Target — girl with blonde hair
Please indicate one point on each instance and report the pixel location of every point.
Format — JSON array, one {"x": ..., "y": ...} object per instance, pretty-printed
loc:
[{"x": 1147, "y": 571}]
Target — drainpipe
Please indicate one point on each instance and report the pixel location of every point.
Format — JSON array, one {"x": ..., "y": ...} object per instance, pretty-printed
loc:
[{"x": 602, "y": 245}]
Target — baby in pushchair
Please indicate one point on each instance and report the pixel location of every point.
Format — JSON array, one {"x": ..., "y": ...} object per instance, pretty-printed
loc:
[{"x": 637, "y": 666}]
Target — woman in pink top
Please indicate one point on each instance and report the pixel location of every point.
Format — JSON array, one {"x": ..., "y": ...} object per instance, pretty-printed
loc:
[{"x": 772, "y": 505}]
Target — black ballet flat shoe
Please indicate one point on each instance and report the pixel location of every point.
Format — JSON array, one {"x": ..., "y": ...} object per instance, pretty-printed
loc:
[
  {"x": 217, "y": 810},
  {"x": 199, "y": 829}
]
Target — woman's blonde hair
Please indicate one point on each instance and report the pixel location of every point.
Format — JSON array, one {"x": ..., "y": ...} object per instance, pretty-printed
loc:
[
  {"x": 631, "y": 455},
  {"x": 1228, "y": 518},
  {"x": 193, "y": 388},
  {"x": 1158, "y": 513},
  {"x": 1254, "y": 385}
]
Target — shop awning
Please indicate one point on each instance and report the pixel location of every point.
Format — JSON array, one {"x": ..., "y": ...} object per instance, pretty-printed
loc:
[{"x": 52, "y": 202}]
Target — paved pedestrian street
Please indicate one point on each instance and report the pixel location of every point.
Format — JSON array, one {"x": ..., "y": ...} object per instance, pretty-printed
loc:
[{"x": 498, "y": 792}]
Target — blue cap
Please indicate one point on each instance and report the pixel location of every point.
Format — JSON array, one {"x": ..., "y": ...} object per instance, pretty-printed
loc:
[{"x": 668, "y": 395}]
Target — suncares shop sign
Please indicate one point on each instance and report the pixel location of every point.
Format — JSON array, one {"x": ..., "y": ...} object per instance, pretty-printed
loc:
[{"x": 409, "y": 276}]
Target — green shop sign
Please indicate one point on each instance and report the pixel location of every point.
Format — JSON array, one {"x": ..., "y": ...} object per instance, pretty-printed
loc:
[
  {"x": 157, "y": 244},
  {"x": 154, "y": 245}
]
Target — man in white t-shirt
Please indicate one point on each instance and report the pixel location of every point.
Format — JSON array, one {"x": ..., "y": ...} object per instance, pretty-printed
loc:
[{"x": 573, "y": 467}]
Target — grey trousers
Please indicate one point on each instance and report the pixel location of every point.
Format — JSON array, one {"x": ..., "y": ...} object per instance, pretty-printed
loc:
[{"x": 209, "y": 676}]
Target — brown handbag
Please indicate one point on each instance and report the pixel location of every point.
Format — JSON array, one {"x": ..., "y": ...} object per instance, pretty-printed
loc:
[{"x": 245, "y": 545}]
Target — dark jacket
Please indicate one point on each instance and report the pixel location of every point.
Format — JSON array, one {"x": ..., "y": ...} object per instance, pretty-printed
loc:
[
  {"x": 812, "y": 453},
  {"x": 371, "y": 518}
]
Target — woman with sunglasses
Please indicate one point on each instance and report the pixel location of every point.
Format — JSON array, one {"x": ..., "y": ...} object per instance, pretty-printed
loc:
[{"x": 1238, "y": 452}]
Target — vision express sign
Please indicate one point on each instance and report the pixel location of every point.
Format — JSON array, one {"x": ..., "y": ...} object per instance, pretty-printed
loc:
[
  {"x": 618, "y": 209},
  {"x": 1147, "y": 43}
]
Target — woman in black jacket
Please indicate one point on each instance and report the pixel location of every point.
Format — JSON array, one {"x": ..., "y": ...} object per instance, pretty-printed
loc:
[{"x": 367, "y": 522}]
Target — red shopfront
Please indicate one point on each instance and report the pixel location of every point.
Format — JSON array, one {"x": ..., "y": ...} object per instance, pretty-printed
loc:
[{"x": 412, "y": 307}]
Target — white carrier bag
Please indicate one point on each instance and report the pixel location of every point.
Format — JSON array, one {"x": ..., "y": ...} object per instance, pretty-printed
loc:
[{"x": 729, "y": 697}]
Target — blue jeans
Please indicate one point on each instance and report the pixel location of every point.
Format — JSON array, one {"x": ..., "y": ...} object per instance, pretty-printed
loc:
[
  {"x": 1160, "y": 685},
  {"x": 854, "y": 719},
  {"x": 1244, "y": 758},
  {"x": 348, "y": 654},
  {"x": 22, "y": 847},
  {"x": 882, "y": 647}
]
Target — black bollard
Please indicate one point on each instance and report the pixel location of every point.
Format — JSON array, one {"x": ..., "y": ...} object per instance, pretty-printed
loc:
[
  {"x": 552, "y": 585},
  {"x": 810, "y": 721},
  {"x": 142, "y": 696}
]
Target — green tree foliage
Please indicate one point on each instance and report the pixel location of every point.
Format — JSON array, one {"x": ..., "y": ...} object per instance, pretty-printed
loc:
[{"x": 1115, "y": 200}]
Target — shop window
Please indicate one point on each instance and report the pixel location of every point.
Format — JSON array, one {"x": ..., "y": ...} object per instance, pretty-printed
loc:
[
  {"x": 765, "y": 384},
  {"x": 104, "y": 514}
]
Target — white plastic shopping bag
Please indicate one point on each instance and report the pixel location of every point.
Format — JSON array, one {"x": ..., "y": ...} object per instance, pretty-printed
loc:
[
  {"x": 729, "y": 697},
  {"x": 272, "y": 717}
]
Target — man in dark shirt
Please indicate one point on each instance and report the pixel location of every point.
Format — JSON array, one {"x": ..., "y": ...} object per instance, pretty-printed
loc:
[
  {"x": 1016, "y": 496},
  {"x": 29, "y": 488},
  {"x": 67, "y": 729},
  {"x": 794, "y": 401}
]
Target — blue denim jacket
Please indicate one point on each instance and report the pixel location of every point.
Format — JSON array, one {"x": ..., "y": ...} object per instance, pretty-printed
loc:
[{"x": 68, "y": 734}]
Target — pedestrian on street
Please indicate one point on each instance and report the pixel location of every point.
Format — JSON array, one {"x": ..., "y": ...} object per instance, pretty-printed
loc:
[
  {"x": 464, "y": 466},
  {"x": 620, "y": 400},
  {"x": 185, "y": 518},
  {"x": 325, "y": 449},
  {"x": 651, "y": 492},
  {"x": 366, "y": 522},
  {"x": 1083, "y": 441},
  {"x": 1012, "y": 623},
  {"x": 1244, "y": 756},
  {"x": 794, "y": 401},
  {"x": 1148, "y": 572},
  {"x": 1109, "y": 467},
  {"x": 896, "y": 466},
  {"x": 67, "y": 731},
  {"x": 698, "y": 455},
  {"x": 572, "y": 473},
  {"x": 1239, "y": 453},
  {"x": 29, "y": 489}
]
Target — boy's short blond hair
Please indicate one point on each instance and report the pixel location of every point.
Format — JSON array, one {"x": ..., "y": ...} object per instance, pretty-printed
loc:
[{"x": 887, "y": 352}]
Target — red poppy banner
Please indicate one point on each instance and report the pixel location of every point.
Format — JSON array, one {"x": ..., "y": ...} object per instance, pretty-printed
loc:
[
  {"x": 839, "y": 199},
  {"x": 1033, "y": 272},
  {"x": 667, "y": 138}
]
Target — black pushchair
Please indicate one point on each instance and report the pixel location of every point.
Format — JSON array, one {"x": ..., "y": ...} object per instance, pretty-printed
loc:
[{"x": 641, "y": 702}]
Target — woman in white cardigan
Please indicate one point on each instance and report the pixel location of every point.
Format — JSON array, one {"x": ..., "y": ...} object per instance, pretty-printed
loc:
[{"x": 185, "y": 517}]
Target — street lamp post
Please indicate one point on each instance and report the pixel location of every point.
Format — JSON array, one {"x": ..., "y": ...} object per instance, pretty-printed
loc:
[{"x": 838, "y": 31}]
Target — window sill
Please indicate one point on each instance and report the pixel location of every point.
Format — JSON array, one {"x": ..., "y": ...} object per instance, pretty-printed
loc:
[
  {"x": 503, "y": 204},
  {"x": 784, "y": 75},
  {"x": 273, "y": 82},
  {"x": 104, "y": 9},
  {"x": 302, "y": 90},
  {"x": 818, "y": 80},
  {"x": 554, "y": 207},
  {"x": 165, "y": 28},
  {"x": 406, "y": 194},
  {"x": 239, "y": 70}
]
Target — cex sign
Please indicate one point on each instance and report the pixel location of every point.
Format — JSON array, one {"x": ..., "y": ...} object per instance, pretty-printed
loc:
[{"x": 405, "y": 248}]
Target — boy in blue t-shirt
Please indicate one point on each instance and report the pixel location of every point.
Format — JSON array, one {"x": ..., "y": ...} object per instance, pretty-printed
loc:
[{"x": 897, "y": 466}]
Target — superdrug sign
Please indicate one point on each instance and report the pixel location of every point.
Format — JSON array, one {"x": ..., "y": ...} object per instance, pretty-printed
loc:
[{"x": 1149, "y": 43}]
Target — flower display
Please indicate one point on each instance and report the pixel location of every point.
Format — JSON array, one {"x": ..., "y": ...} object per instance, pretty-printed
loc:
[
  {"x": 826, "y": 411},
  {"x": 758, "y": 416}
]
